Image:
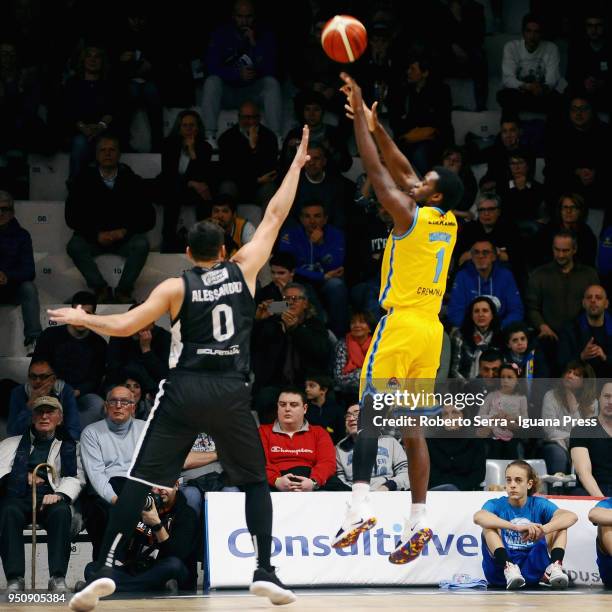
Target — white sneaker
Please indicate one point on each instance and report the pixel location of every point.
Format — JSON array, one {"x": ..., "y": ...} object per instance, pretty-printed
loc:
[
  {"x": 357, "y": 520},
  {"x": 514, "y": 578},
  {"x": 555, "y": 577},
  {"x": 88, "y": 598},
  {"x": 412, "y": 542}
]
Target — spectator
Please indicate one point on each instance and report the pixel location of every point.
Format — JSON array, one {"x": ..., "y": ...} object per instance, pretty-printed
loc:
[
  {"x": 323, "y": 410},
  {"x": 589, "y": 59},
  {"x": 17, "y": 271},
  {"x": 106, "y": 451},
  {"x": 570, "y": 215},
  {"x": 319, "y": 252},
  {"x": 327, "y": 188},
  {"x": 479, "y": 331},
  {"x": 310, "y": 109},
  {"x": 589, "y": 336},
  {"x": 248, "y": 154},
  {"x": 145, "y": 354},
  {"x": 420, "y": 115},
  {"x": 162, "y": 548},
  {"x": 186, "y": 176},
  {"x": 591, "y": 450},
  {"x": 299, "y": 456},
  {"x": 574, "y": 396},
  {"x": 241, "y": 62},
  {"x": 454, "y": 158},
  {"x": 88, "y": 106},
  {"x": 530, "y": 71},
  {"x": 390, "y": 471},
  {"x": 485, "y": 276},
  {"x": 489, "y": 365},
  {"x": 19, "y": 455},
  {"x": 555, "y": 292},
  {"x": 287, "y": 348},
  {"x": 520, "y": 349},
  {"x": 588, "y": 182},
  {"x": 142, "y": 401},
  {"x": 238, "y": 231},
  {"x": 109, "y": 211},
  {"x": 42, "y": 382},
  {"x": 77, "y": 356},
  {"x": 350, "y": 352}
]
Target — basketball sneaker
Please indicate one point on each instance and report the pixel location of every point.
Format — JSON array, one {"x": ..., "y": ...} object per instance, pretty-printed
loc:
[
  {"x": 513, "y": 576},
  {"x": 358, "y": 519},
  {"x": 88, "y": 598},
  {"x": 268, "y": 584},
  {"x": 555, "y": 577},
  {"x": 412, "y": 542}
]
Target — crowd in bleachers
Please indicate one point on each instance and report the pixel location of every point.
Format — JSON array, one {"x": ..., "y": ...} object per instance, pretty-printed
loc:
[{"x": 532, "y": 268}]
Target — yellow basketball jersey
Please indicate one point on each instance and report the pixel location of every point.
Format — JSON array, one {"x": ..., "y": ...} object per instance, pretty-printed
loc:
[{"x": 415, "y": 265}]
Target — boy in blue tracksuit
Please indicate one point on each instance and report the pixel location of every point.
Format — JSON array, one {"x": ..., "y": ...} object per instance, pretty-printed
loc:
[
  {"x": 523, "y": 537},
  {"x": 601, "y": 515}
]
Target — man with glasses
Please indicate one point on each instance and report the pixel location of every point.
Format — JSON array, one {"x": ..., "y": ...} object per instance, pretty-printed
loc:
[
  {"x": 483, "y": 275},
  {"x": 42, "y": 382},
  {"x": 106, "y": 450},
  {"x": 17, "y": 271},
  {"x": 247, "y": 153}
]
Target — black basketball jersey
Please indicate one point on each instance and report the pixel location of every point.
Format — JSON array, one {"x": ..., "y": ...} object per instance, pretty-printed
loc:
[{"x": 213, "y": 328}]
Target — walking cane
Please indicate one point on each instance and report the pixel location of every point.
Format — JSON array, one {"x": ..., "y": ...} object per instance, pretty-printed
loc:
[{"x": 49, "y": 467}]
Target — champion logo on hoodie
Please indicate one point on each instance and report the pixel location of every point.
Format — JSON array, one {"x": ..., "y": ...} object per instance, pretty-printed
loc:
[{"x": 291, "y": 451}]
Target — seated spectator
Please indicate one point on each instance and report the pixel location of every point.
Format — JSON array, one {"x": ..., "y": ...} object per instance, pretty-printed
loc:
[
  {"x": 88, "y": 106},
  {"x": 570, "y": 214},
  {"x": 530, "y": 71},
  {"x": 454, "y": 158},
  {"x": 484, "y": 276},
  {"x": 457, "y": 457},
  {"x": 589, "y": 336},
  {"x": 601, "y": 515},
  {"x": 310, "y": 110},
  {"x": 299, "y": 456},
  {"x": 463, "y": 27},
  {"x": 350, "y": 352},
  {"x": 145, "y": 354},
  {"x": 109, "y": 211},
  {"x": 555, "y": 293},
  {"x": 45, "y": 442},
  {"x": 106, "y": 451},
  {"x": 241, "y": 63},
  {"x": 17, "y": 271},
  {"x": 509, "y": 140},
  {"x": 390, "y": 472},
  {"x": 509, "y": 402},
  {"x": 323, "y": 409},
  {"x": 142, "y": 401},
  {"x": 591, "y": 450},
  {"x": 489, "y": 365},
  {"x": 590, "y": 184},
  {"x": 327, "y": 188},
  {"x": 523, "y": 197},
  {"x": 248, "y": 154},
  {"x": 319, "y": 252},
  {"x": 519, "y": 348},
  {"x": 479, "y": 332},
  {"x": 42, "y": 382},
  {"x": 186, "y": 176},
  {"x": 589, "y": 59},
  {"x": 574, "y": 396},
  {"x": 162, "y": 550},
  {"x": 238, "y": 231},
  {"x": 287, "y": 348},
  {"x": 77, "y": 356},
  {"x": 420, "y": 115}
]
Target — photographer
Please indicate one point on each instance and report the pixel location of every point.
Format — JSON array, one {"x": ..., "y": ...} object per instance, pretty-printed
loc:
[{"x": 160, "y": 554}]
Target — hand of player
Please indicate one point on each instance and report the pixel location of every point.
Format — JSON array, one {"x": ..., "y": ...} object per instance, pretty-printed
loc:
[
  {"x": 70, "y": 316},
  {"x": 262, "y": 311},
  {"x": 371, "y": 115},
  {"x": 284, "y": 483},
  {"x": 547, "y": 332},
  {"x": 352, "y": 91},
  {"x": 144, "y": 338},
  {"x": 301, "y": 155}
]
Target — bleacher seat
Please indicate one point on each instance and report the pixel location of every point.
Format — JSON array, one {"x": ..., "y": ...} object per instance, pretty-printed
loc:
[
  {"x": 46, "y": 223},
  {"x": 484, "y": 124},
  {"x": 356, "y": 169},
  {"x": 250, "y": 212},
  {"x": 495, "y": 471}
]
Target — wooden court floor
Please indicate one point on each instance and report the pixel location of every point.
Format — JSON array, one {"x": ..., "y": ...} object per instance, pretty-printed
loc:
[{"x": 364, "y": 600}]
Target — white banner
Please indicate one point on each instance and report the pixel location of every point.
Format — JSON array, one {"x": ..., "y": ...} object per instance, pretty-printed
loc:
[{"x": 304, "y": 524}]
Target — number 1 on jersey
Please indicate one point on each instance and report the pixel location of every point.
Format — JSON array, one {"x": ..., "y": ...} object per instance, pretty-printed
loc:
[{"x": 439, "y": 264}]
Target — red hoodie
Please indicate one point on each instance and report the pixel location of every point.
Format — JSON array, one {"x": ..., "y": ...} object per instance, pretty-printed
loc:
[{"x": 311, "y": 446}]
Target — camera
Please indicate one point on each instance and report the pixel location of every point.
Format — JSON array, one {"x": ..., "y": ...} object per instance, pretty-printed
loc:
[{"x": 153, "y": 499}]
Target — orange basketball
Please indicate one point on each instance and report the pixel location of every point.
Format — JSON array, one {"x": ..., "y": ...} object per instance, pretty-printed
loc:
[{"x": 344, "y": 38}]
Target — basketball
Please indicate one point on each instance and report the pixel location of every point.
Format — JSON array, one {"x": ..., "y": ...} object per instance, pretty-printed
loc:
[{"x": 344, "y": 38}]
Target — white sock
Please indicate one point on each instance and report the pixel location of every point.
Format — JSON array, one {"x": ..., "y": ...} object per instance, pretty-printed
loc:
[
  {"x": 417, "y": 511},
  {"x": 360, "y": 492}
]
